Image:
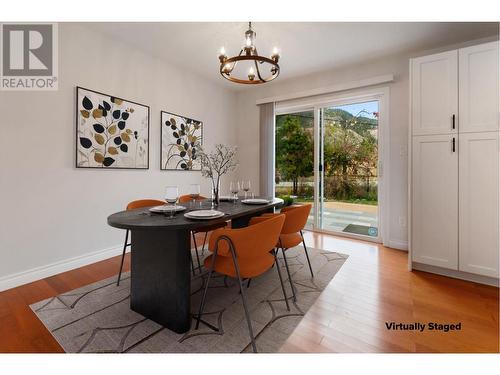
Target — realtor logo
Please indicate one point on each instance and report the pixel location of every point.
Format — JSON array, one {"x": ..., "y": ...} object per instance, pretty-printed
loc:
[{"x": 29, "y": 57}]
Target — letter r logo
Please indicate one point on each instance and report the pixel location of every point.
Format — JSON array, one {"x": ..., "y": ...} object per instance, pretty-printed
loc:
[{"x": 27, "y": 50}]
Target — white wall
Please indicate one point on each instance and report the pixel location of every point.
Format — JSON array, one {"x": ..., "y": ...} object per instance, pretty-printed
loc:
[{"x": 51, "y": 212}]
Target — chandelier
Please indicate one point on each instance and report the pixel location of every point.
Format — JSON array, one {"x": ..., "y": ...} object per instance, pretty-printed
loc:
[{"x": 249, "y": 53}]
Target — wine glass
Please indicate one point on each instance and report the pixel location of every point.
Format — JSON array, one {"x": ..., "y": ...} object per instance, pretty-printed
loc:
[
  {"x": 246, "y": 187},
  {"x": 171, "y": 196},
  {"x": 234, "y": 187},
  {"x": 194, "y": 192}
]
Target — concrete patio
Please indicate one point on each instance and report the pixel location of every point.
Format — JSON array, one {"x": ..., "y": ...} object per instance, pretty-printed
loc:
[{"x": 338, "y": 215}]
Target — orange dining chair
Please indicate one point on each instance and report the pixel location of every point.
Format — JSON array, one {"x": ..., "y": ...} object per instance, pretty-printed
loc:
[
  {"x": 291, "y": 234},
  {"x": 131, "y": 206},
  {"x": 243, "y": 254},
  {"x": 205, "y": 229}
]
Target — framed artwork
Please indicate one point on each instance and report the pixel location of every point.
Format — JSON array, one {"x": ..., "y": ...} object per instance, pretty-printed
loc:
[
  {"x": 111, "y": 133},
  {"x": 181, "y": 140}
]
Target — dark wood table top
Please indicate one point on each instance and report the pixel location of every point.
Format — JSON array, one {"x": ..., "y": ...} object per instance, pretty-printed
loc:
[{"x": 142, "y": 218}]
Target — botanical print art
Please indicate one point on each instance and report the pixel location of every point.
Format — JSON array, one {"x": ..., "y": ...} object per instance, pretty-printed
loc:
[
  {"x": 111, "y": 132},
  {"x": 181, "y": 141}
]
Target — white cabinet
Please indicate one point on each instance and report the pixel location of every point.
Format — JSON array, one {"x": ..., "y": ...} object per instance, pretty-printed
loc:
[
  {"x": 434, "y": 201},
  {"x": 478, "y": 203},
  {"x": 479, "y": 91},
  {"x": 455, "y": 162},
  {"x": 434, "y": 93}
]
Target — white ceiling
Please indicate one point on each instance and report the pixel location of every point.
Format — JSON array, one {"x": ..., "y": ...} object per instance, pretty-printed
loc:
[{"x": 304, "y": 47}]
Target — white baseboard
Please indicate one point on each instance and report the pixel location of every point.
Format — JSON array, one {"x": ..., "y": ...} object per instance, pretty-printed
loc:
[
  {"x": 397, "y": 244},
  {"x": 25, "y": 277},
  {"x": 456, "y": 274}
]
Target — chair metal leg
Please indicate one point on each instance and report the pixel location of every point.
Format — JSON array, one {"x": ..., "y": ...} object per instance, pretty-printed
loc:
[
  {"x": 289, "y": 276},
  {"x": 281, "y": 280},
  {"x": 247, "y": 314},
  {"x": 202, "y": 304},
  {"x": 123, "y": 258},
  {"x": 307, "y": 255},
  {"x": 248, "y": 283},
  {"x": 204, "y": 241},
  {"x": 196, "y": 251},
  {"x": 192, "y": 263}
]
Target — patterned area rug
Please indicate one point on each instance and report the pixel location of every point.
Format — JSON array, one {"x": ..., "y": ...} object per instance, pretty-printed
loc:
[{"x": 97, "y": 318}]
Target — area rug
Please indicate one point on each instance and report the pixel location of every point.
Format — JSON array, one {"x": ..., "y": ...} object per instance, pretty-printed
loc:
[{"x": 97, "y": 318}]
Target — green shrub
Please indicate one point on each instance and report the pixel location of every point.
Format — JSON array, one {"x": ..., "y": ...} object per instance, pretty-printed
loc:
[
  {"x": 354, "y": 189},
  {"x": 288, "y": 200}
]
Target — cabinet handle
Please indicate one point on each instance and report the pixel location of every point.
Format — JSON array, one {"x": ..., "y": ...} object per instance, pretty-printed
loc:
[
  {"x": 453, "y": 121},
  {"x": 453, "y": 144}
]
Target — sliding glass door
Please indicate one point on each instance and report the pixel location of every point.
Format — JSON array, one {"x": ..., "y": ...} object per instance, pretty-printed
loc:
[
  {"x": 294, "y": 176},
  {"x": 328, "y": 155},
  {"x": 348, "y": 156}
]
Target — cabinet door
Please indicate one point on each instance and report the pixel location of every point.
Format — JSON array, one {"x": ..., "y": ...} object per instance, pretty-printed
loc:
[
  {"x": 478, "y": 80},
  {"x": 434, "y": 235},
  {"x": 479, "y": 203},
  {"x": 434, "y": 91}
]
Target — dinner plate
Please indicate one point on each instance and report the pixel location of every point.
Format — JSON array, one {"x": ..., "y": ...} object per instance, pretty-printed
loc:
[
  {"x": 204, "y": 214},
  {"x": 166, "y": 208},
  {"x": 255, "y": 201}
]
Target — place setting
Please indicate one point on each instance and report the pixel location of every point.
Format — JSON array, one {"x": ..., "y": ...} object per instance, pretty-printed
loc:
[
  {"x": 169, "y": 209},
  {"x": 196, "y": 207}
]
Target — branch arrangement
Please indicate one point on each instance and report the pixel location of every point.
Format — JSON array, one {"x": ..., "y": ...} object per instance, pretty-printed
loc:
[{"x": 217, "y": 163}]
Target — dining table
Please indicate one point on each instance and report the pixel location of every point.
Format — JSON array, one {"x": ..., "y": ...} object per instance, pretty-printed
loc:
[{"x": 160, "y": 276}]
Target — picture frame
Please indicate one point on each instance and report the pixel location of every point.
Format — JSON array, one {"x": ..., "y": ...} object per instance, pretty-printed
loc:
[
  {"x": 181, "y": 139},
  {"x": 111, "y": 132}
]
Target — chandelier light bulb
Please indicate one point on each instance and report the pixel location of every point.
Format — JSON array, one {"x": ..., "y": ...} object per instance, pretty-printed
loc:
[
  {"x": 222, "y": 55},
  {"x": 251, "y": 74},
  {"x": 275, "y": 56}
]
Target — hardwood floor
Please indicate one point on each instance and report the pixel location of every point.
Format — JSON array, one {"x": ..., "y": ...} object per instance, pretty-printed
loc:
[
  {"x": 373, "y": 287},
  {"x": 20, "y": 330}
]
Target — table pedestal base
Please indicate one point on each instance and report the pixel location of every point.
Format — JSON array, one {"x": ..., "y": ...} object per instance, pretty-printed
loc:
[{"x": 160, "y": 277}]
